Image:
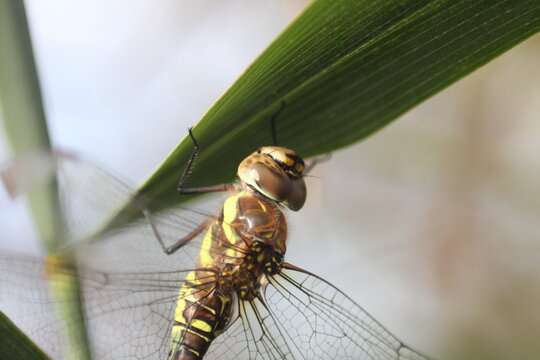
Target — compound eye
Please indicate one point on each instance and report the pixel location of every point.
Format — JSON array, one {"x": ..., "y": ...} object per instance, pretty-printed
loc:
[
  {"x": 273, "y": 183},
  {"x": 297, "y": 196}
]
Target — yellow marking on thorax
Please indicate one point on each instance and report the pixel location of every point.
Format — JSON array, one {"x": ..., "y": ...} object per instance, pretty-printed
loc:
[
  {"x": 262, "y": 205},
  {"x": 229, "y": 214},
  {"x": 205, "y": 257},
  {"x": 230, "y": 211}
]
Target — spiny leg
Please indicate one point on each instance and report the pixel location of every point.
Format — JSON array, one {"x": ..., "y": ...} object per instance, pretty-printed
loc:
[
  {"x": 182, "y": 241},
  {"x": 187, "y": 171},
  {"x": 187, "y": 191}
]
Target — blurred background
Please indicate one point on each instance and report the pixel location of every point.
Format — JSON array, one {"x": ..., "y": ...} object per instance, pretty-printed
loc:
[{"x": 432, "y": 224}]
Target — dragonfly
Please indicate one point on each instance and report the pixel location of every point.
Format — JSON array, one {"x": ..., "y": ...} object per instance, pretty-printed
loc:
[{"x": 215, "y": 285}]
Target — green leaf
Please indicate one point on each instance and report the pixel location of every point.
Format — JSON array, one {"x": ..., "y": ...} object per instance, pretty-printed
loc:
[
  {"x": 14, "y": 344},
  {"x": 345, "y": 69},
  {"x": 25, "y": 122}
]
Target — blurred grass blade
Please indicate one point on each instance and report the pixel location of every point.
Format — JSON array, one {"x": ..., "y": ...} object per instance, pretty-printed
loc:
[
  {"x": 344, "y": 69},
  {"x": 14, "y": 344},
  {"x": 22, "y": 110},
  {"x": 25, "y": 123}
]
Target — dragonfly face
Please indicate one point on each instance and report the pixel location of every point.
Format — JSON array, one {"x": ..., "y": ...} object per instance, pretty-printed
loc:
[
  {"x": 275, "y": 172},
  {"x": 226, "y": 293}
]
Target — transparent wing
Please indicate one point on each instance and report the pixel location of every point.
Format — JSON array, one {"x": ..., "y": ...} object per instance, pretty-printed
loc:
[
  {"x": 129, "y": 284},
  {"x": 253, "y": 336},
  {"x": 321, "y": 322},
  {"x": 91, "y": 196},
  {"x": 303, "y": 317},
  {"x": 24, "y": 299},
  {"x": 128, "y": 314}
]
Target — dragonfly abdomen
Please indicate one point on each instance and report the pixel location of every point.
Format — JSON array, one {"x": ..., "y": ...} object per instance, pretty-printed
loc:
[{"x": 198, "y": 321}]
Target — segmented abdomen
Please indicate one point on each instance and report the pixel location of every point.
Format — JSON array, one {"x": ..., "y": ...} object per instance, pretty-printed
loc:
[{"x": 202, "y": 313}]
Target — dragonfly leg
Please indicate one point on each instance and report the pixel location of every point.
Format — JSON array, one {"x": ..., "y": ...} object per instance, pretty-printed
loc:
[
  {"x": 182, "y": 241},
  {"x": 187, "y": 171},
  {"x": 273, "y": 123},
  {"x": 186, "y": 239}
]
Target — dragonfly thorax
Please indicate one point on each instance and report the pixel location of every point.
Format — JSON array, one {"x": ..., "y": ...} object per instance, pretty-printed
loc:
[
  {"x": 246, "y": 243},
  {"x": 277, "y": 173},
  {"x": 261, "y": 261}
]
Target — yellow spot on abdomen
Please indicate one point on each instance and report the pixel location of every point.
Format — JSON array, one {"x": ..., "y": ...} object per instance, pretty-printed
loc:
[
  {"x": 208, "y": 308},
  {"x": 179, "y": 312},
  {"x": 201, "y": 325}
]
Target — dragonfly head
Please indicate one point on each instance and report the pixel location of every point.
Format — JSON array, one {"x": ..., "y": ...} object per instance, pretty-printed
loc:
[{"x": 277, "y": 173}]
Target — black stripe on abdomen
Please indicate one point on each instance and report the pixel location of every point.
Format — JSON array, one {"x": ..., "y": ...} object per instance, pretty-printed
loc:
[{"x": 204, "y": 321}]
